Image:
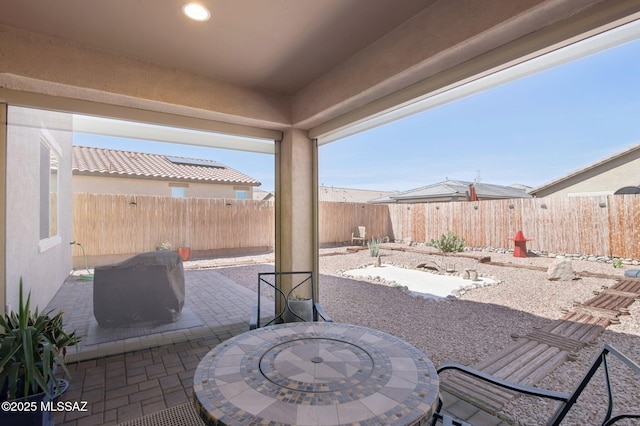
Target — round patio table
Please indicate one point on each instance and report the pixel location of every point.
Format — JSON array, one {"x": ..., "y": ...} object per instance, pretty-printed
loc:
[{"x": 315, "y": 374}]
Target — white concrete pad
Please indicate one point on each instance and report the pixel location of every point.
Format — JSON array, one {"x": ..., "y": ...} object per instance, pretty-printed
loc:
[{"x": 420, "y": 283}]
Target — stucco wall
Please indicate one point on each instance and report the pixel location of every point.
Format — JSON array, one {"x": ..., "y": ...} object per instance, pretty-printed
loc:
[
  {"x": 609, "y": 181},
  {"x": 602, "y": 180},
  {"x": 43, "y": 267},
  {"x": 162, "y": 188}
]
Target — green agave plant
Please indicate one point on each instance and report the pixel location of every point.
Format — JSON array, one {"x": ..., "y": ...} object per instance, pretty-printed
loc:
[
  {"x": 374, "y": 247},
  {"x": 31, "y": 346}
]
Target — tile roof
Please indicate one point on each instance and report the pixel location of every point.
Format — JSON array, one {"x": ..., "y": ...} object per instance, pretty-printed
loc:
[
  {"x": 102, "y": 161},
  {"x": 454, "y": 190}
]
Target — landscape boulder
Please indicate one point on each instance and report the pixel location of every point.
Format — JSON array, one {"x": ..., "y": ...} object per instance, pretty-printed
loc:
[
  {"x": 560, "y": 270},
  {"x": 633, "y": 273}
]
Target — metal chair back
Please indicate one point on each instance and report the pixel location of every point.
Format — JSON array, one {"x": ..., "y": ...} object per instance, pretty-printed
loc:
[
  {"x": 567, "y": 400},
  {"x": 270, "y": 280}
]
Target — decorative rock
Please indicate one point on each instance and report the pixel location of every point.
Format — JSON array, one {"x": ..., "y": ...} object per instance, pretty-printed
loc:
[
  {"x": 465, "y": 274},
  {"x": 560, "y": 269},
  {"x": 633, "y": 273},
  {"x": 429, "y": 264},
  {"x": 543, "y": 253}
]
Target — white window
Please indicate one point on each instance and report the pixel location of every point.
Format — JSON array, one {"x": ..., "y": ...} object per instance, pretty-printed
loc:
[
  {"x": 178, "y": 191},
  {"x": 50, "y": 153}
]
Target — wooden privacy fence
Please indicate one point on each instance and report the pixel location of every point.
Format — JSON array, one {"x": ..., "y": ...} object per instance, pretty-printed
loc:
[
  {"x": 604, "y": 225},
  {"x": 108, "y": 224},
  {"x": 338, "y": 220}
]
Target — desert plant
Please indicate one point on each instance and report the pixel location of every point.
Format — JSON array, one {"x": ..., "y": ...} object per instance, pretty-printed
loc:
[
  {"x": 374, "y": 247},
  {"x": 448, "y": 243},
  {"x": 165, "y": 245},
  {"x": 32, "y": 345},
  {"x": 294, "y": 296},
  {"x": 617, "y": 263}
]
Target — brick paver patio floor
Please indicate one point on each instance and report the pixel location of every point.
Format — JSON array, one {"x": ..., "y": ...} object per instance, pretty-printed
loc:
[{"x": 124, "y": 379}]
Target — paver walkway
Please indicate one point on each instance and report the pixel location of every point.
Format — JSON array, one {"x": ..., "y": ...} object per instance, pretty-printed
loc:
[{"x": 222, "y": 306}]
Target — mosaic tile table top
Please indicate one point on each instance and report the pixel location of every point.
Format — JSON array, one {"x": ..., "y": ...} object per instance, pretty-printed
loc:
[{"x": 315, "y": 374}]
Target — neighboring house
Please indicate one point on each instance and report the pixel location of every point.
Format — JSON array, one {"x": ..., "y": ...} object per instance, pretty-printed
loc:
[
  {"x": 604, "y": 177},
  {"x": 455, "y": 190},
  {"x": 262, "y": 195},
  {"x": 333, "y": 194},
  {"x": 349, "y": 195},
  {"x": 111, "y": 171}
]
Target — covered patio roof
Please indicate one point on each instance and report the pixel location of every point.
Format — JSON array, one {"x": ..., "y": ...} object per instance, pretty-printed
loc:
[
  {"x": 316, "y": 66},
  {"x": 295, "y": 72}
]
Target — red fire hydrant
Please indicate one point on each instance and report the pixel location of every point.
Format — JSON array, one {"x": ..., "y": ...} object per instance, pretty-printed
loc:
[{"x": 520, "y": 242}]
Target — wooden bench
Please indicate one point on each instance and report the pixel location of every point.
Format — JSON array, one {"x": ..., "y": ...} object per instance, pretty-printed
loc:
[{"x": 567, "y": 399}]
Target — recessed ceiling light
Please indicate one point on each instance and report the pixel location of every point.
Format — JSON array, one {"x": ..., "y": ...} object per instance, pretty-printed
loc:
[{"x": 196, "y": 11}]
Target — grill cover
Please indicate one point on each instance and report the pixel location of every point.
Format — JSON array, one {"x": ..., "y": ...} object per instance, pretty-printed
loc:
[{"x": 148, "y": 287}]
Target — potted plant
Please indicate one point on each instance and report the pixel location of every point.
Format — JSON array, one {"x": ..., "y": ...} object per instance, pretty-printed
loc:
[
  {"x": 32, "y": 346},
  {"x": 302, "y": 307},
  {"x": 184, "y": 252}
]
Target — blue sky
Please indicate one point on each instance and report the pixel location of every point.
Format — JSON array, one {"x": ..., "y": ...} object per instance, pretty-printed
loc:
[{"x": 528, "y": 132}]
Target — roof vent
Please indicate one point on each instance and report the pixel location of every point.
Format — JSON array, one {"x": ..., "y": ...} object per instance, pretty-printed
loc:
[{"x": 628, "y": 190}]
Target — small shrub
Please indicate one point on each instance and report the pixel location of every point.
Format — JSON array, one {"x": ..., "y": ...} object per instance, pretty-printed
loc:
[
  {"x": 617, "y": 263},
  {"x": 448, "y": 243},
  {"x": 374, "y": 247},
  {"x": 165, "y": 245}
]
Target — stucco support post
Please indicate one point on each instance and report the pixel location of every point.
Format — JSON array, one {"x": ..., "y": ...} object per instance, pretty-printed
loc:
[
  {"x": 3, "y": 206},
  {"x": 296, "y": 207}
]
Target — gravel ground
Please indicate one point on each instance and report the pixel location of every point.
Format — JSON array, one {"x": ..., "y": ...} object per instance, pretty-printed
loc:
[{"x": 477, "y": 324}]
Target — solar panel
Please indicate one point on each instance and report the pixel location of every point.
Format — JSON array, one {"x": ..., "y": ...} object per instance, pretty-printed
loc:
[{"x": 195, "y": 162}]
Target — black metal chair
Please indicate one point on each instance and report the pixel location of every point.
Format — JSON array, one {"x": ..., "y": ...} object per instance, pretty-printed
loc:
[
  {"x": 567, "y": 399},
  {"x": 447, "y": 420},
  {"x": 288, "y": 313}
]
